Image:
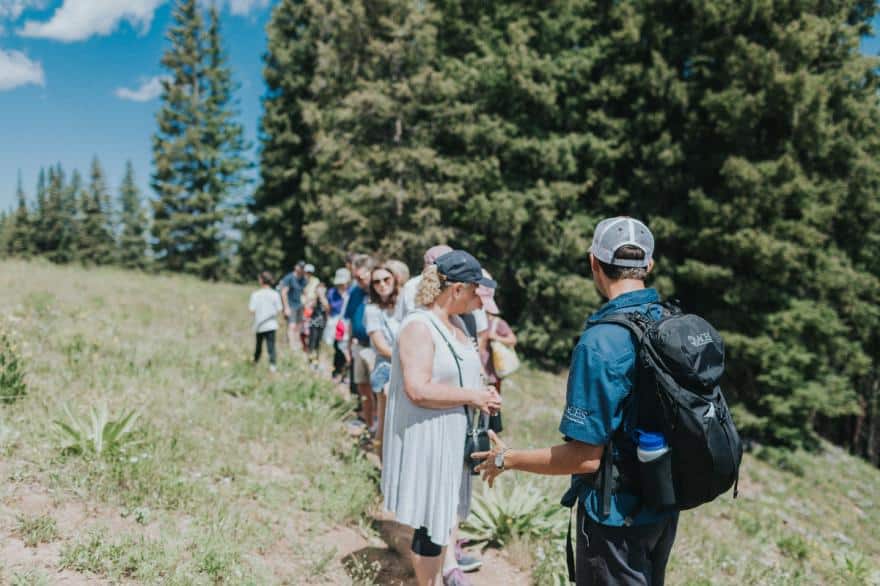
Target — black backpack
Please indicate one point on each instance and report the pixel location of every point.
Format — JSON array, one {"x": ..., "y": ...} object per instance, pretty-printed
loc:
[{"x": 680, "y": 360}]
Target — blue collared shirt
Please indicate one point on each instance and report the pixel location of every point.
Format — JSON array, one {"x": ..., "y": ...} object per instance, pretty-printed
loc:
[{"x": 601, "y": 377}]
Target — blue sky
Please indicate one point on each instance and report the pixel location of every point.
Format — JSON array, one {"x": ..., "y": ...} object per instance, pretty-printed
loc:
[{"x": 75, "y": 82}]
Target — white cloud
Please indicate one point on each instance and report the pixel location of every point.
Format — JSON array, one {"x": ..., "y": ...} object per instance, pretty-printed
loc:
[
  {"x": 242, "y": 7},
  {"x": 17, "y": 70},
  {"x": 150, "y": 89},
  {"x": 77, "y": 20},
  {"x": 237, "y": 7},
  {"x": 12, "y": 9}
]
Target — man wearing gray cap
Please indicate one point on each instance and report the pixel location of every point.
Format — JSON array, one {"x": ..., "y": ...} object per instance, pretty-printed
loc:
[{"x": 619, "y": 539}]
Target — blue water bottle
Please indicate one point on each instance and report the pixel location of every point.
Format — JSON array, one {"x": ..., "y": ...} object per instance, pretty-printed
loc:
[{"x": 652, "y": 445}]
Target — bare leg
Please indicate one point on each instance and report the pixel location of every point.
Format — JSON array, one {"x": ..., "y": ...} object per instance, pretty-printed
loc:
[
  {"x": 366, "y": 394},
  {"x": 293, "y": 335},
  {"x": 449, "y": 561},
  {"x": 428, "y": 569},
  {"x": 381, "y": 400}
]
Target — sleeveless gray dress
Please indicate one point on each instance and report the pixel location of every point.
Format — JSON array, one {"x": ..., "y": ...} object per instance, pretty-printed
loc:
[{"x": 424, "y": 479}]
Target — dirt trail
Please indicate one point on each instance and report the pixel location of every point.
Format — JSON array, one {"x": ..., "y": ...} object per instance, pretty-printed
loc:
[
  {"x": 42, "y": 559},
  {"x": 391, "y": 552}
]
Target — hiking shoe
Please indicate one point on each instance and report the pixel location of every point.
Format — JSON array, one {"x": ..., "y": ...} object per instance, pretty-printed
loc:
[
  {"x": 467, "y": 563},
  {"x": 455, "y": 577},
  {"x": 272, "y": 368},
  {"x": 355, "y": 426}
]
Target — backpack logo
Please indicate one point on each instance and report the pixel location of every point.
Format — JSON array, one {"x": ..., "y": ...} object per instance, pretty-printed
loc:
[{"x": 700, "y": 339}]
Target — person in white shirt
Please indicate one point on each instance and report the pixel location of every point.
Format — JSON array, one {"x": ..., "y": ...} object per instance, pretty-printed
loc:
[{"x": 265, "y": 304}]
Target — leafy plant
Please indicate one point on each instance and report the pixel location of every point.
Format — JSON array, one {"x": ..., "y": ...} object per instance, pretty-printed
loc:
[
  {"x": 125, "y": 556},
  {"x": 362, "y": 571},
  {"x": 794, "y": 546},
  {"x": 551, "y": 568},
  {"x": 12, "y": 383},
  {"x": 498, "y": 515},
  {"x": 29, "y": 578},
  {"x": 99, "y": 435},
  {"x": 37, "y": 529},
  {"x": 855, "y": 570}
]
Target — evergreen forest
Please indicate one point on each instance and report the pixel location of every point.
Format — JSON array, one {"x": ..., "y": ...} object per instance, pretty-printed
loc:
[{"x": 745, "y": 134}]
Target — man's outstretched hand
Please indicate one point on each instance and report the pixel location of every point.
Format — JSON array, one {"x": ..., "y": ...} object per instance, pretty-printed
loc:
[{"x": 487, "y": 468}]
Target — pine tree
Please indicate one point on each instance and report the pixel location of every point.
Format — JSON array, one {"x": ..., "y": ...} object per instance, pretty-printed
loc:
[
  {"x": 66, "y": 210},
  {"x": 762, "y": 127},
  {"x": 55, "y": 226},
  {"x": 72, "y": 203},
  {"x": 6, "y": 228},
  {"x": 21, "y": 235},
  {"x": 225, "y": 145},
  {"x": 274, "y": 238},
  {"x": 528, "y": 72},
  {"x": 97, "y": 244},
  {"x": 379, "y": 173},
  {"x": 196, "y": 150},
  {"x": 133, "y": 223},
  {"x": 39, "y": 216}
]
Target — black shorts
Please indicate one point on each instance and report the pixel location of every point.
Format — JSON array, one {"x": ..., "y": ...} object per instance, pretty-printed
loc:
[{"x": 624, "y": 556}]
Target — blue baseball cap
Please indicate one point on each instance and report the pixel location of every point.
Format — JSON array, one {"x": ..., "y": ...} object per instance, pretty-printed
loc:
[{"x": 461, "y": 267}]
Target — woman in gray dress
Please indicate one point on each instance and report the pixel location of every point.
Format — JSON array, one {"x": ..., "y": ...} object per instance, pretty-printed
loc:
[{"x": 435, "y": 381}]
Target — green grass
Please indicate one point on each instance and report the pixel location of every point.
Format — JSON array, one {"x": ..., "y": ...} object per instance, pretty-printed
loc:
[
  {"x": 38, "y": 529},
  {"x": 230, "y": 476},
  {"x": 800, "y": 518},
  {"x": 202, "y": 485},
  {"x": 29, "y": 578}
]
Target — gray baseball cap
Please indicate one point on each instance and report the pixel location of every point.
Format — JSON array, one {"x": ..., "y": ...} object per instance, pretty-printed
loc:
[{"x": 612, "y": 233}]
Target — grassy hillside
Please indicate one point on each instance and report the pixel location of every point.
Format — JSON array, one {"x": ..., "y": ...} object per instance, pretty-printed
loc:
[{"x": 230, "y": 475}]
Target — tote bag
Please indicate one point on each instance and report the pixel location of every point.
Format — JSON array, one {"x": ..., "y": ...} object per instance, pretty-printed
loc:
[{"x": 504, "y": 358}]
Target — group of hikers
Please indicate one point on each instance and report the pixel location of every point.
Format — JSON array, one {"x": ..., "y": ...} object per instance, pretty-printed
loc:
[
  {"x": 418, "y": 352},
  {"x": 361, "y": 316}
]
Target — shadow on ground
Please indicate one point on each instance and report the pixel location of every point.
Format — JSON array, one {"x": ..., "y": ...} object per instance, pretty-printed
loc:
[
  {"x": 383, "y": 565},
  {"x": 378, "y": 565}
]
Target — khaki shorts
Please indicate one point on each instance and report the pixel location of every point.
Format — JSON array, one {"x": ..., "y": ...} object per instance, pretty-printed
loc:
[{"x": 362, "y": 359}]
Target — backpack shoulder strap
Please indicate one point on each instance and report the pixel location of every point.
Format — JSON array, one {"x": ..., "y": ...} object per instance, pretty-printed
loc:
[{"x": 635, "y": 322}]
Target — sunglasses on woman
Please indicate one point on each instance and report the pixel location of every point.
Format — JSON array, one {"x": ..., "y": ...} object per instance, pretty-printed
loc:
[{"x": 381, "y": 281}]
